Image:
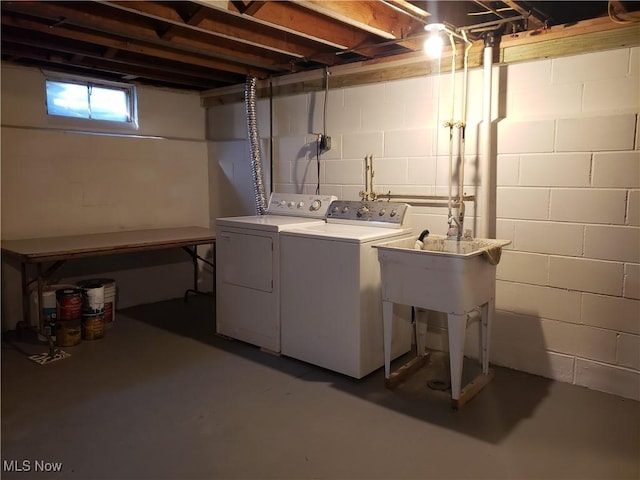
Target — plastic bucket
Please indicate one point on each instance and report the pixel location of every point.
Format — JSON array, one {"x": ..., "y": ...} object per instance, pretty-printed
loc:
[
  {"x": 93, "y": 299},
  {"x": 92, "y": 327},
  {"x": 109, "y": 297},
  {"x": 47, "y": 322},
  {"x": 69, "y": 311}
]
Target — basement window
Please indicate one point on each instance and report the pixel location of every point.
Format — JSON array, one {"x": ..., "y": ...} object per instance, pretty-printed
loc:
[{"x": 92, "y": 100}]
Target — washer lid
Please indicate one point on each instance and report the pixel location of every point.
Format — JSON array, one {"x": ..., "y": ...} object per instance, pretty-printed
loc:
[
  {"x": 346, "y": 233},
  {"x": 268, "y": 223}
]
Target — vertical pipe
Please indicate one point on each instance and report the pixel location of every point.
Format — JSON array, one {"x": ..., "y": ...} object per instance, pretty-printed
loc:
[
  {"x": 463, "y": 128},
  {"x": 488, "y": 198},
  {"x": 450, "y": 123}
]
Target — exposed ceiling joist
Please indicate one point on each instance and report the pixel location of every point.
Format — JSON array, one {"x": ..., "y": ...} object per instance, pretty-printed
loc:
[{"x": 207, "y": 44}]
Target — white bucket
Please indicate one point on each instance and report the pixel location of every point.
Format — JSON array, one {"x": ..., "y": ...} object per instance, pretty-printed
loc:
[
  {"x": 92, "y": 298},
  {"x": 46, "y": 324},
  {"x": 108, "y": 299}
]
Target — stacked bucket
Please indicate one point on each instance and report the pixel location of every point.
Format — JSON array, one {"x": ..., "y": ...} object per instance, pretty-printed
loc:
[
  {"x": 47, "y": 321},
  {"x": 92, "y": 309},
  {"x": 69, "y": 322},
  {"x": 72, "y": 313}
]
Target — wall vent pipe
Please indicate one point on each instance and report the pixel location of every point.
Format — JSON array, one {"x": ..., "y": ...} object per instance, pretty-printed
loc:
[{"x": 254, "y": 146}]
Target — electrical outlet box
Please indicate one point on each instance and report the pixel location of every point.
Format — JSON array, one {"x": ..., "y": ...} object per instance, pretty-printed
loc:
[{"x": 325, "y": 142}]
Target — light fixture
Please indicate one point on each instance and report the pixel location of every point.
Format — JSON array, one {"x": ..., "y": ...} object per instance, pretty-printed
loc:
[{"x": 433, "y": 44}]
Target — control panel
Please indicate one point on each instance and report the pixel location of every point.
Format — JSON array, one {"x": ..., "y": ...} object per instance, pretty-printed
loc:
[
  {"x": 300, "y": 204},
  {"x": 379, "y": 213}
]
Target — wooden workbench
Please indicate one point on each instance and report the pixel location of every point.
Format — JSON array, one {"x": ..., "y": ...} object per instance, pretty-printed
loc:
[{"x": 60, "y": 249}]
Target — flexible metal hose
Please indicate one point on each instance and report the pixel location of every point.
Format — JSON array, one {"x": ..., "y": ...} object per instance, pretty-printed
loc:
[{"x": 254, "y": 144}]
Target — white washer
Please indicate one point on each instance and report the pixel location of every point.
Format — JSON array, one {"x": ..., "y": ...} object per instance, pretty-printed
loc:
[
  {"x": 331, "y": 309},
  {"x": 247, "y": 266}
]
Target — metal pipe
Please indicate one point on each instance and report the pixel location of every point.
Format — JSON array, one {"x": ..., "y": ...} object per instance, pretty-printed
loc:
[
  {"x": 254, "y": 144},
  {"x": 450, "y": 123},
  {"x": 395, "y": 196},
  {"x": 463, "y": 128},
  {"x": 487, "y": 202}
]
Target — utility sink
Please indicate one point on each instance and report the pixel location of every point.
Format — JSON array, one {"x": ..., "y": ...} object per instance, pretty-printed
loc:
[
  {"x": 457, "y": 277},
  {"x": 452, "y": 276}
]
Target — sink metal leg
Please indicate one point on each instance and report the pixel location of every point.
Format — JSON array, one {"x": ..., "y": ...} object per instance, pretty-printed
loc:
[
  {"x": 486, "y": 313},
  {"x": 391, "y": 379},
  {"x": 457, "y": 325},
  {"x": 457, "y": 331},
  {"x": 387, "y": 318},
  {"x": 421, "y": 332}
]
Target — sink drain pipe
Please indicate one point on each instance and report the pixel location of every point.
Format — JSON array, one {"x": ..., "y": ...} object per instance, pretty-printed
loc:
[
  {"x": 254, "y": 145},
  {"x": 488, "y": 199}
]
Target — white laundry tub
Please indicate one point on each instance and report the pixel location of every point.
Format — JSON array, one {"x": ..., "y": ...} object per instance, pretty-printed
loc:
[
  {"x": 446, "y": 275},
  {"x": 451, "y": 276}
]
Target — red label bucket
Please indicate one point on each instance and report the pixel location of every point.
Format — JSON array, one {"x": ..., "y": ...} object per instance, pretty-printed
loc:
[{"x": 69, "y": 304}]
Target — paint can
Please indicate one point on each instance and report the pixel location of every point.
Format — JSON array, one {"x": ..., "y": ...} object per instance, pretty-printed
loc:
[
  {"x": 68, "y": 333},
  {"x": 92, "y": 326},
  {"x": 109, "y": 297},
  {"x": 47, "y": 321},
  {"x": 69, "y": 303},
  {"x": 69, "y": 310},
  {"x": 92, "y": 299}
]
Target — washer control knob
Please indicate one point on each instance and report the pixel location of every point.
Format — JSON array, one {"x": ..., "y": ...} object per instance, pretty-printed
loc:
[
  {"x": 345, "y": 209},
  {"x": 363, "y": 210},
  {"x": 282, "y": 203},
  {"x": 335, "y": 209},
  {"x": 382, "y": 212},
  {"x": 393, "y": 213},
  {"x": 315, "y": 205},
  {"x": 291, "y": 204},
  {"x": 300, "y": 204}
]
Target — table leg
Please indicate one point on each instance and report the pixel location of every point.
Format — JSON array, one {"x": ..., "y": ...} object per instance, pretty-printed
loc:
[
  {"x": 193, "y": 253},
  {"x": 26, "y": 316}
]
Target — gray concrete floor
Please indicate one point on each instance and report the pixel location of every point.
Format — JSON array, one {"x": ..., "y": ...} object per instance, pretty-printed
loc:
[{"x": 161, "y": 397}]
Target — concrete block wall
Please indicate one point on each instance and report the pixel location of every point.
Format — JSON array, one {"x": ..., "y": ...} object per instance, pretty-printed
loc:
[
  {"x": 57, "y": 180},
  {"x": 568, "y": 201},
  {"x": 568, "y": 197}
]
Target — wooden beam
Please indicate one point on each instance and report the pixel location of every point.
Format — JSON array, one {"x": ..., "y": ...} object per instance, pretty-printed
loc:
[
  {"x": 532, "y": 21},
  {"x": 561, "y": 40},
  {"x": 107, "y": 66},
  {"x": 145, "y": 42},
  {"x": 236, "y": 35},
  {"x": 133, "y": 47},
  {"x": 374, "y": 17},
  {"x": 193, "y": 19},
  {"x": 406, "y": 370},
  {"x": 250, "y": 8},
  {"x": 78, "y": 52}
]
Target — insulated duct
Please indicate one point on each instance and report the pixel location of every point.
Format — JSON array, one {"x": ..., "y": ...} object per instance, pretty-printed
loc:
[{"x": 254, "y": 145}]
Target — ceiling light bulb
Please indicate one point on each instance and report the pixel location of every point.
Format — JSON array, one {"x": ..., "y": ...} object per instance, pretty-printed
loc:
[{"x": 433, "y": 45}]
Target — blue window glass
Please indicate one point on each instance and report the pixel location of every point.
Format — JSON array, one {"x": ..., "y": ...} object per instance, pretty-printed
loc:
[{"x": 90, "y": 101}]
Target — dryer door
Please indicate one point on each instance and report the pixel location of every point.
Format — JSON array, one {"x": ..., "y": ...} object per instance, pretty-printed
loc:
[{"x": 246, "y": 260}]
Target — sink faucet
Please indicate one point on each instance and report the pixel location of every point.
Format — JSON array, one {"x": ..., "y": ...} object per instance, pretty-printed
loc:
[{"x": 455, "y": 228}]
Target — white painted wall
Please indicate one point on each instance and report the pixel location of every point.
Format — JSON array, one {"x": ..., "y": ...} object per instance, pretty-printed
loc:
[
  {"x": 568, "y": 289},
  {"x": 57, "y": 180}
]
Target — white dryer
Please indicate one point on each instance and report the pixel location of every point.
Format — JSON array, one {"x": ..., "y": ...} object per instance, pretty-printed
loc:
[
  {"x": 331, "y": 309},
  {"x": 248, "y": 266}
]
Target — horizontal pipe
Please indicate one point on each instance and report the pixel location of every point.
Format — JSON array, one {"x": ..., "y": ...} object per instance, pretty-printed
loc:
[{"x": 396, "y": 196}]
